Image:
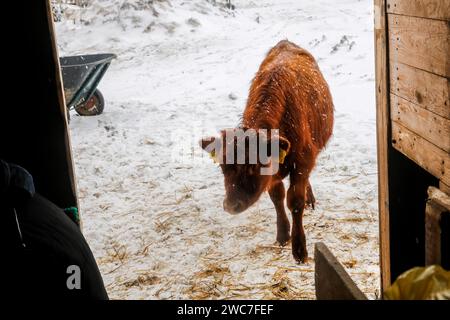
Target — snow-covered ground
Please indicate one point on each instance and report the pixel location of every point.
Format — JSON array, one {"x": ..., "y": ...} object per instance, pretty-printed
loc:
[{"x": 156, "y": 224}]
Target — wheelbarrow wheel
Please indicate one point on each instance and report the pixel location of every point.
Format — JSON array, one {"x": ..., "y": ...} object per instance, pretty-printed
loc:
[{"x": 94, "y": 106}]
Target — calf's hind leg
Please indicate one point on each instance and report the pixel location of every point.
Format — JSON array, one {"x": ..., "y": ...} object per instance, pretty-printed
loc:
[{"x": 277, "y": 194}]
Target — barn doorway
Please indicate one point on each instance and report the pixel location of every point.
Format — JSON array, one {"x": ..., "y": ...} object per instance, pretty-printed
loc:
[{"x": 156, "y": 224}]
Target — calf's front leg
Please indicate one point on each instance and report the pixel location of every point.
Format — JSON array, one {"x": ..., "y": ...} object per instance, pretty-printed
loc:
[
  {"x": 310, "y": 199},
  {"x": 296, "y": 203},
  {"x": 277, "y": 195}
]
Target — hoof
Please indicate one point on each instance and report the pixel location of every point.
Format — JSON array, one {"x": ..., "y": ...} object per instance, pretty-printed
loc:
[
  {"x": 300, "y": 254},
  {"x": 283, "y": 239}
]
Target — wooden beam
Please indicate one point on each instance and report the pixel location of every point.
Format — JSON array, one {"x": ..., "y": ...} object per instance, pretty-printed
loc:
[
  {"x": 422, "y": 88},
  {"x": 424, "y": 153},
  {"x": 434, "y": 9},
  {"x": 424, "y": 123},
  {"x": 383, "y": 137},
  {"x": 332, "y": 282},
  {"x": 421, "y": 43}
]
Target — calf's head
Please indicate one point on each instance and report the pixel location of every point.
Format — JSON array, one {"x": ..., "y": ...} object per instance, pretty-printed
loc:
[{"x": 248, "y": 158}]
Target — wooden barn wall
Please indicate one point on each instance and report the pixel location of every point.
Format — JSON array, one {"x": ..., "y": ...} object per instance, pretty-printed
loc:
[
  {"x": 419, "y": 73},
  {"x": 412, "y": 40}
]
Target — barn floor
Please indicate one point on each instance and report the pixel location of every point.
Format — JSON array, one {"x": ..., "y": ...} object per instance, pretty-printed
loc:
[{"x": 152, "y": 206}]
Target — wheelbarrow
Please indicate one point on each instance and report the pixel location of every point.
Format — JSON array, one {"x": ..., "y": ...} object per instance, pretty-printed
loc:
[{"x": 81, "y": 75}]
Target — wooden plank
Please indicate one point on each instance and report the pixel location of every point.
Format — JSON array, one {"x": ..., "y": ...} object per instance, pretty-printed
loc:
[
  {"x": 426, "y": 124},
  {"x": 420, "y": 43},
  {"x": 444, "y": 187},
  {"x": 332, "y": 282},
  {"x": 434, "y": 9},
  {"x": 63, "y": 110},
  {"x": 423, "y": 88},
  {"x": 424, "y": 153},
  {"x": 439, "y": 198},
  {"x": 432, "y": 232},
  {"x": 383, "y": 141}
]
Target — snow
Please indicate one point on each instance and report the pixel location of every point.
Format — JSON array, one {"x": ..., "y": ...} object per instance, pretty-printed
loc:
[{"x": 152, "y": 205}]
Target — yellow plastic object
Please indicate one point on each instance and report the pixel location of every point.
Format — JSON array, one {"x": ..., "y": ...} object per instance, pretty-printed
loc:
[
  {"x": 213, "y": 156},
  {"x": 283, "y": 154},
  {"x": 421, "y": 283}
]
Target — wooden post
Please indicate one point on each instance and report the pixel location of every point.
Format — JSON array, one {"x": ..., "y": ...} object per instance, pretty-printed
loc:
[
  {"x": 437, "y": 204},
  {"x": 383, "y": 137}
]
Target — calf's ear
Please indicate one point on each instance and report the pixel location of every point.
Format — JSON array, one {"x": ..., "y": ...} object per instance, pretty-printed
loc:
[
  {"x": 207, "y": 143},
  {"x": 285, "y": 147},
  {"x": 284, "y": 144}
]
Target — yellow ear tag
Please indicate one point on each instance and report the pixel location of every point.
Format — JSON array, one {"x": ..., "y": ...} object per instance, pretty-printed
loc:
[
  {"x": 282, "y": 156},
  {"x": 213, "y": 156}
]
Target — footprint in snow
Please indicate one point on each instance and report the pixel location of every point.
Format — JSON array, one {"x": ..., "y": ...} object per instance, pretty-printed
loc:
[{"x": 344, "y": 42}]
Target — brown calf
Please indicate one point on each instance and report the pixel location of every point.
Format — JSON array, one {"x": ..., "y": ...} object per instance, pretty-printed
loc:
[{"x": 290, "y": 94}]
